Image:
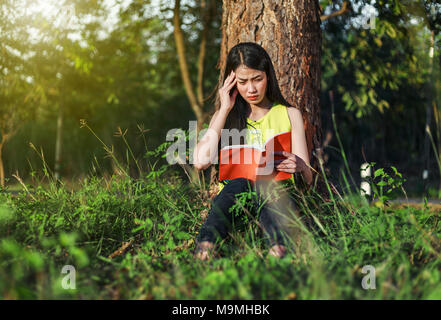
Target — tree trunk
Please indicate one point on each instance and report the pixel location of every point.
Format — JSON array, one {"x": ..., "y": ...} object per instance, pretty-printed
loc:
[
  {"x": 290, "y": 32},
  {"x": 58, "y": 142},
  {"x": 196, "y": 99},
  {"x": 429, "y": 115},
  {"x": 2, "y": 169},
  {"x": 4, "y": 138}
]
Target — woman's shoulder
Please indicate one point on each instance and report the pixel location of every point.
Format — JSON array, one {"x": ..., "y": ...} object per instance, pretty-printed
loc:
[
  {"x": 291, "y": 110},
  {"x": 295, "y": 116},
  {"x": 279, "y": 105},
  {"x": 284, "y": 107}
]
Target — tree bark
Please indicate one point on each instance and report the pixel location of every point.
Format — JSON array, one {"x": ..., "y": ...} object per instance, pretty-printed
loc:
[{"x": 290, "y": 32}]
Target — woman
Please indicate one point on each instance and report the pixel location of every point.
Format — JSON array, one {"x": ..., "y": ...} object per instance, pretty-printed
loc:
[{"x": 250, "y": 98}]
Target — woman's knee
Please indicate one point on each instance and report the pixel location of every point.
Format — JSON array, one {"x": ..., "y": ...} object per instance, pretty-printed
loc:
[
  {"x": 239, "y": 182},
  {"x": 235, "y": 186}
]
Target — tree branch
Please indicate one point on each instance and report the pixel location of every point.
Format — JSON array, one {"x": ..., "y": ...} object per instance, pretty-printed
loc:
[
  {"x": 180, "y": 46},
  {"x": 6, "y": 135},
  {"x": 202, "y": 49},
  {"x": 345, "y": 8}
]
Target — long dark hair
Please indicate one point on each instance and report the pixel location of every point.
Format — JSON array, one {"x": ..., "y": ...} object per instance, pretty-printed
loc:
[{"x": 253, "y": 56}]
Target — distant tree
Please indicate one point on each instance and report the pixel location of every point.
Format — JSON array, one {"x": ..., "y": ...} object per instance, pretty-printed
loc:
[
  {"x": 208, "y": 13},
  {"x": 18, "y": 95}
]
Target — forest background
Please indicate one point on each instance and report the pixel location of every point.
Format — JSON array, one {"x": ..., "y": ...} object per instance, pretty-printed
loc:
[{"x": 115, "y": 65}]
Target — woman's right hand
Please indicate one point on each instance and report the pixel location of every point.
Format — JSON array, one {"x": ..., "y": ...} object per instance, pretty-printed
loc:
[{"x": 227, "y": 101}]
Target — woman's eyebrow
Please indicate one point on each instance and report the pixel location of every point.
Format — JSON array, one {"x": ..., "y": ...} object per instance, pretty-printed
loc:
[{"x": 251, "y": 78}]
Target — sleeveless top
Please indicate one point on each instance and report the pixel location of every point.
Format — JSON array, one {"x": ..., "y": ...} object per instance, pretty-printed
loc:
[{"x": 275, "y": 121}]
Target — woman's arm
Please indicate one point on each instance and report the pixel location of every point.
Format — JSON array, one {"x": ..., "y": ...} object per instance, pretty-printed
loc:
[
  {"x": 202, "y": 156},
  {"x": 206, "y": 150},
  {"x": 298, "y": 159}
]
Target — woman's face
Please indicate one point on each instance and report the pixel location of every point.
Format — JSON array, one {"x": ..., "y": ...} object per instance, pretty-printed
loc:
[{"x": 251, "y": 84}]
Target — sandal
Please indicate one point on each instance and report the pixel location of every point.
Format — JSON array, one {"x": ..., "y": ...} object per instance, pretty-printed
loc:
[
  {"x": 204, "y": 250},
  {"x": 278, "y": 251}
]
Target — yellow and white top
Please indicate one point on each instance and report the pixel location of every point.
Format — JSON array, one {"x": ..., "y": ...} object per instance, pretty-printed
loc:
[{"x": 274, "y": 122}]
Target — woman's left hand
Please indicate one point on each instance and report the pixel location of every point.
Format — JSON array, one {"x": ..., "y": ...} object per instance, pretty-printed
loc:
[{"x": 291, "y": 164}]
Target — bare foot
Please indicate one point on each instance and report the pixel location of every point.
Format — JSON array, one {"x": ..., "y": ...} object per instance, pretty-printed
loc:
[
  {"x": 277, "y": 251},
  {"x": 204, "y": 250}
]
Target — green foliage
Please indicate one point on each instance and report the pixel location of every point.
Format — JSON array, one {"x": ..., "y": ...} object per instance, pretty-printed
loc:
[
  {"x": 375, "y": 82},
  {"x": 384, "y": 184},
  {"x": 367, "y": 66}
]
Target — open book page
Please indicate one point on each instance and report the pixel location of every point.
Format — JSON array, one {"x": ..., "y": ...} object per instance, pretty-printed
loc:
[{"x": 252, "y": 162}]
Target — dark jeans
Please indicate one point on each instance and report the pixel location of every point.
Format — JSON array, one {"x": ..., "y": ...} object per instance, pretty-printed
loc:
[{"x": 269, "y": 202}]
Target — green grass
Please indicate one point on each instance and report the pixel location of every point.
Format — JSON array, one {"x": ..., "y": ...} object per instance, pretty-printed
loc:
[
  {"x": 45, "y": 230},
  {"x": 133, "y": 239}
]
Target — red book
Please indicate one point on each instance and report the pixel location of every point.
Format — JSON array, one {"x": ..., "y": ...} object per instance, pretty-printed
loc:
[{"x": 248, "y": 161}]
